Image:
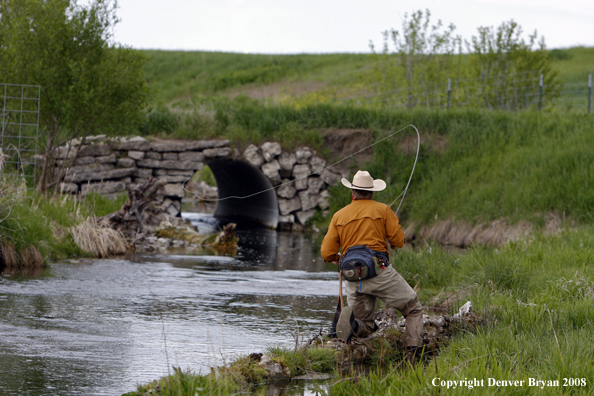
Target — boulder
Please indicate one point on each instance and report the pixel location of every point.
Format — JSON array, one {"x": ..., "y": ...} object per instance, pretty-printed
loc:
[
  {"x": 68, "y": 188},
  {"x": 300, "y": 173},
  {"x": 95, "y": 150},
  {"x": 286, "y": 190},
  {"x": 173, "y": 190},
  {"x": 287, "y": 206},
  {"x": 270, "y": 170},
  {"x": 253, "y": 156},
  {"x": 270, "y": 150},
  {"x": 303, "y": 154},
  {"x": 126, "y": 163},
  {"x": 308, "y": 201},
  {"x": 314, "y": 185},
  {"x": 170, "y": 156},
  {"x": 287, "y": 160},
  {"x": 136, "y": 155},
  {"x": 303, "y": 216},
  {"x": 103, "y": 188},
  {"x": 317, "y": 164},
  {"x": 329, "y": 177},
  {"x": 194, "y": 156},
  {"x": 217, "y": 152},
  {"x": 85, "y": 176}
]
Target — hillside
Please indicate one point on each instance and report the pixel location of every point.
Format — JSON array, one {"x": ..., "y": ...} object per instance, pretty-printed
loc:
[{"x": 177, "y": 75}]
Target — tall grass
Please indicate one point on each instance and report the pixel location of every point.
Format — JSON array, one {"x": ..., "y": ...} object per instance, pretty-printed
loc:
[
  {"x": 537, "y": 297},
  {"x": 45, "y": 223}
]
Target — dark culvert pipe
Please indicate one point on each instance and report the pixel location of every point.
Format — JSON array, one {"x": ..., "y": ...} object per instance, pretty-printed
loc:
[{"x": 236, "y": 178}]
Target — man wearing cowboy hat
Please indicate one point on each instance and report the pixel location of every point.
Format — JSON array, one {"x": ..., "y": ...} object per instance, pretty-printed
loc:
[{"x": 372, "y": 224}]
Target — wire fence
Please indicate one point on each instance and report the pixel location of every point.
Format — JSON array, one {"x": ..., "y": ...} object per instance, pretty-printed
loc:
[
  {"x": 19, "y": 125},
  {"x": 526, "y": 90}
]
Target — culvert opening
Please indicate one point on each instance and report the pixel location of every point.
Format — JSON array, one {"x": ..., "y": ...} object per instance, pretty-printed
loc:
[{"x": 236, "y": 179}]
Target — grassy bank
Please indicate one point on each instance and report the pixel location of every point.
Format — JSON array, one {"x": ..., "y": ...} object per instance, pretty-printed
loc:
[
  {"x": 43, "y": 224},
  {"x": 475, "y": 166},
  {"x": 536, "y": 299},
  {"x": 178, "y": 76}
]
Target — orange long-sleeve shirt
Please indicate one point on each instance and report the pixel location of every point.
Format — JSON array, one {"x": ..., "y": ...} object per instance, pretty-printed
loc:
[{"x": 362, "y": 222}]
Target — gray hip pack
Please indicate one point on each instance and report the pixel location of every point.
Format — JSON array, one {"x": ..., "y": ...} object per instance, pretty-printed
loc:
[{"x": 360, "y": 263}]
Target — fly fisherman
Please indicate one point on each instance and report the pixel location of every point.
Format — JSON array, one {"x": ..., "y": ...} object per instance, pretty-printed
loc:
[{"x": 360, "y": 230}]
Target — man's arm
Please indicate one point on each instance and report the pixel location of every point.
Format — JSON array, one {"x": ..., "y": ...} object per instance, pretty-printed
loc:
[
  {"x": 394, "y": 230},
  {"x": 331, "y": 244}
]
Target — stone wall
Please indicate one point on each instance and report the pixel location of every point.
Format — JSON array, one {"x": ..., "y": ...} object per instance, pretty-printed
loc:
[
  {"x": 109, "y": 167},
  {"x": 300, "y": 177}
]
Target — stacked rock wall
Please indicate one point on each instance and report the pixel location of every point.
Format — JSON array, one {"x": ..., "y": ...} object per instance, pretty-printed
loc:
[
  {"x": 300, "y": 176},
  {"x": 109, "y": 167}
]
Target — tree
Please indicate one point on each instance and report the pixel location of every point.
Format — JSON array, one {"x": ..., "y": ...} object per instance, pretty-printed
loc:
[
  {"x": 89, "y": 84},
  {"x": 424, "y": 57},
  {"x": 508, "y": 68}
]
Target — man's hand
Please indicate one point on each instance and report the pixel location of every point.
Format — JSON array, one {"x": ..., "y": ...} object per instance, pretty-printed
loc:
[{"x": 337, "y": 262}]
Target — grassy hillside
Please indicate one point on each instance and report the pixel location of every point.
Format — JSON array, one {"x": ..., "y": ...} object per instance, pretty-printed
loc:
[{"x": 179, "y": 75}]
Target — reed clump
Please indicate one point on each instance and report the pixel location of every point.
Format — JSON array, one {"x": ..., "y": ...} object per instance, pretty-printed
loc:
[{"x": 99, "y": 241}]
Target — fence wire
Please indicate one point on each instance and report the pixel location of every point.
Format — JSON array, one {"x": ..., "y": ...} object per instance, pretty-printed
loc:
[
  {"x": 19, "y": 125},
  {"x": 507, "y": 92}
]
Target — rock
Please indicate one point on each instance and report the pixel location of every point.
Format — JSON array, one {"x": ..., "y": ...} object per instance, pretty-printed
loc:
[
  {"x": 86, "y": 160},
  {"x": 287, "y": 206},
  {"x": 153, "y": 155},
  {"x": 65, "y": 152},
  {"x": 287, "y": 189},
  {"x": 324, "y": 200},
  {"x": 95, "y": 150},
  {"x": 78, "y": 177},
  {"x": 136, "y": 143},
  {"x": 286, "y": 161},
  {"x": 170, "y": 156},
  {"x": 303, "y": 216},
  {"x": 329, "y": 177},
  {"x": 175, "y": 178},
  {"x": 314, "y": 184},
  {"x": 169, "y": 164},
  {"x": 126, "y": 163},
  {"x": 253, "y": 156},
  {"x": 270, "y": 170},
  {"x": 300, "y": 173},
  {"x": 217, "y": 152},
  {"x": 143, "y": 173},
  {"x": 202, "y": 190},
  {"x": 270, "y": 150},
  {"x": 205, "y": 144},
  {"x": 193, "y": 156},
  {"x": 173, "y": 190},
  {"x": 303, "y": 154},
  {"x": 276, "y": 370},
  {"x": 317, "y": 164},
  {"x": 136, "y": 155},
  {"x": 68, "y": 188},
  {"x": 103, "y": 188},
  {"x": 308, "y": 201}
]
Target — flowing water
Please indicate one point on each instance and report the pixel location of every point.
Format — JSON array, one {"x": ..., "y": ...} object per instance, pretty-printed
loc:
[{"x": 100, "y": 327}]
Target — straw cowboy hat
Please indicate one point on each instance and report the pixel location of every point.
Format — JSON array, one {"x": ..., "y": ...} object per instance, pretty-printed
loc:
[{"x": 363, "y": 181}]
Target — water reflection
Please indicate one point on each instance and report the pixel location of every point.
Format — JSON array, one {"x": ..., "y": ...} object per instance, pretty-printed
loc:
[{"x": 102, "y": 326}]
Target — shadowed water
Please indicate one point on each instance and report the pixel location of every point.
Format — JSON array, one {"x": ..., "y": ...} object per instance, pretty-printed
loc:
[{"x": 100, "y": 327}]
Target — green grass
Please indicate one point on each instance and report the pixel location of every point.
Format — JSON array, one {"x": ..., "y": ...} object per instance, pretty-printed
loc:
[
  {"x": 535, "y": 298},
  {"x": 186, "y": 77},
  {"x": 44, "y": 222},
  {"x": 177, "y": 75}
]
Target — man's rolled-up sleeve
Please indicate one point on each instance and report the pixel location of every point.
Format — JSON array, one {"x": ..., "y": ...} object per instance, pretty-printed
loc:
[
  {"x": 394, "y": 230},
  {"x": 330, "y": 244}
]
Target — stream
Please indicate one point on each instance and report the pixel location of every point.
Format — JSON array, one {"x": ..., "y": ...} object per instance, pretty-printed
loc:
[{"x": 101, "y": 327}]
